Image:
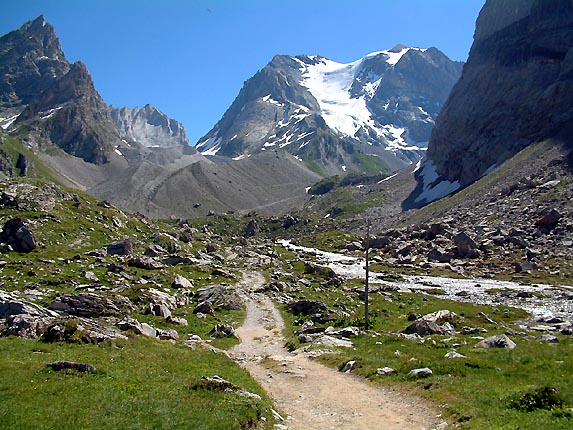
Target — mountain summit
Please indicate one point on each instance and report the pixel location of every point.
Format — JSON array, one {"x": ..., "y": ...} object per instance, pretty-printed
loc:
[{"x": 377, "y": 111}]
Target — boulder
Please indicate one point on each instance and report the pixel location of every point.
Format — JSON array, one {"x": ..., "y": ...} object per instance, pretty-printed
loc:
[
  {"x": 464, "y": 244},
  {"x": 174, "y": 260},
  {"x": 331, "y": 342},
  {"x": 549, "y": 219},
  {"x": 130, "y": 324},
  {"x": 10, "y": 306},
  {"x": 220, "y": 296},
  {"x": 307, "y": 307},
  {"x": 159, "y": 310},
  {"x": 348, "y": 366},
  {"x": 354, "y": 246},
  {"x": 222, "y": 330},
  {"x": 315, "y": 269},
  {"x": 121, "y": 247},
  {"x": 18, "y": 235},
  {"x": 91, "y": 305},
  {"x": 454, "y": 354},
  {"x": 147, "y": 263},
  {"x": 439, "y": 255},
  {"x": 168, "y": 334},
  {"x": 204, "y": 308},
  {"x": 442, "y": 316},
  {"x": 345, "y": 332},
  {"x": 181, "y": 282},
  {"x": 222, "y": 273},
  {"x": 178, "y": 320},
  {"x": 499, "y": 341},
  {"x": 423, "y": 327},
  {"x": 252, "y": 228},
  {"x": 79, "y": 330},
  {"x": 154, "y": 250}
]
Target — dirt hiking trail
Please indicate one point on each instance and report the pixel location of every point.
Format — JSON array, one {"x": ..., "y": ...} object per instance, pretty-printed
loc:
[{"x": 312, "y": 396}]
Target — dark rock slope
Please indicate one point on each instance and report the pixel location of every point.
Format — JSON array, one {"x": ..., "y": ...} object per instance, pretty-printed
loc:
[{"x": 515, "y": 90}]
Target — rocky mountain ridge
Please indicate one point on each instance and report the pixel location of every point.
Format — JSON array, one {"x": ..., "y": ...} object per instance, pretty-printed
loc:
[
  {"x": 137, "y": 158},
  {"x": 514, "y": 91},
  {"x": 379, "y": 110}
]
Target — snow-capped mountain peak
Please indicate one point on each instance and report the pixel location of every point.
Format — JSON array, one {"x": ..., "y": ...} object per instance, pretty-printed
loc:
[{"x": 383, "y": 105}]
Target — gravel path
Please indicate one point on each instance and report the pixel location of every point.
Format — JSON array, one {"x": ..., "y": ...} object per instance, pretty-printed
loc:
[{"x": 312, "y": 396}]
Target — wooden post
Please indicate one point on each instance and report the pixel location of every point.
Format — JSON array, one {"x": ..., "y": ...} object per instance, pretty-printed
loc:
[{"x": 366, "y": 322}]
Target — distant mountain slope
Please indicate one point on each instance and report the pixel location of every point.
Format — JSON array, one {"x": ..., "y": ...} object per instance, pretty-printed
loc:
[
  {"x": 373, "y": 114},
  {"x": 515, "y": 90}
]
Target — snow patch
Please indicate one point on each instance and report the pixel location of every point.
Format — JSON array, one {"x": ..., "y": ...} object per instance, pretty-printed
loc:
[
  {"x": 388, "y": 178},
  {"x": 432, "y": 191},
  {"x": 241, "y": 157},
  {"x": 210, "y": 146},
  {"x": 270, "y": 100},
  {"x": 9, "y": 121},
  {"x": 344, "y": 168},
  {"x": 50, "y": 113}
]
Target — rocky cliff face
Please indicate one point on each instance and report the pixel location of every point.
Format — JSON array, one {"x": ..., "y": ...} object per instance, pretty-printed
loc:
[
  {"x": 149, "y": 127},
  {"x": 378, "y": 110},
  {"x": 31, "y": 60},
  {"x": 515, "y": 90},
  {"x": 72, "y": 115}
]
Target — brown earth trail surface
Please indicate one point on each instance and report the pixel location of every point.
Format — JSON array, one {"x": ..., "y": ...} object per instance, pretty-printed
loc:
[{"x": 312, "y": 396}]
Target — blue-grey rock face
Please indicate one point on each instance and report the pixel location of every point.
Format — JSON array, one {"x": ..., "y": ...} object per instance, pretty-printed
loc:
[{"x": 149, "y": 127}]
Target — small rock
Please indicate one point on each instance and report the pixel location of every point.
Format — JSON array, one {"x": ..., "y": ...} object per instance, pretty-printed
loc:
[
  {"x": 499, "y": 341},
  {"x": 420, "y": 373},
  {"x": 348, "y": 366},
  {"x": 385, "y": 371},
  {"x": 454, "y": 354},
  {"x": 69, "y": 365},
  {"x": 222, "y": 330},
  {"x": 147, "y": 263}
]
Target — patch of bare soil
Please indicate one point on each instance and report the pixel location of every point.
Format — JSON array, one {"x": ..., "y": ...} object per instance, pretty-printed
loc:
[{"x": 312, "y": 396}]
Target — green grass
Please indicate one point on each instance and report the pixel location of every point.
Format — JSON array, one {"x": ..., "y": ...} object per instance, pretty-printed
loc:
[
  {"x": 477, "y": 392},
  {"x": 138, "y": 384}
]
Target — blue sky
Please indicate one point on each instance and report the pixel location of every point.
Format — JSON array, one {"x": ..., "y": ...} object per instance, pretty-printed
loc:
[{"x": 189, "y": 58}]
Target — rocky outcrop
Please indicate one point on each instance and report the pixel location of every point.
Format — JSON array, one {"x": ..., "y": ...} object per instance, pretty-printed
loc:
[{"x": 515, "y": 90}]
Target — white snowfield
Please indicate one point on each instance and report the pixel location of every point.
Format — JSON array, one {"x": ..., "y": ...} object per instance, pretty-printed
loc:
[
  {"x": 433, "y": 191},
  {"x": 330, "y": 83}
]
